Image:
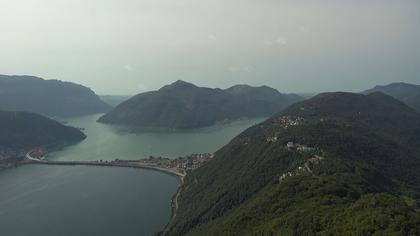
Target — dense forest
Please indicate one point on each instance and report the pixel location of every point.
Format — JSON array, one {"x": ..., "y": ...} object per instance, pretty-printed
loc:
[
  {"x": 334, "y": 164},
  {"x": 182, "y": 105}
]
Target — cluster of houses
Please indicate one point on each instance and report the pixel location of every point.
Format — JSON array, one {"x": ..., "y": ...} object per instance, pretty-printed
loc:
[
  {"x": 180, "y": 164},
  {"x": 272, "y": 139},
  {"x": 298, "y": 147},
  {"x": 38, "y": 153},
  {"x": 291, "y": 145},
  {"x": 288, "y": 121},
  {"x": 10, "y": 157},
  {"x": 315, "y": 160},
  {"x": 7, "y": 154},
  {"x": 300, "y": 170},
  {"x": 285, "y": 122},
  {"x": 190, "y": 162}
]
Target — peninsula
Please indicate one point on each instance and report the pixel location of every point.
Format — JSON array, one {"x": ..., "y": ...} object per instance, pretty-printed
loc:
[{"x": 24, "y": 131}]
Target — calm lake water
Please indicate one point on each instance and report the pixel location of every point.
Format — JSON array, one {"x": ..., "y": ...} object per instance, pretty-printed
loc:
[
  {"x": 86, "y": 201},
  {"x": 109, "y": 142}
]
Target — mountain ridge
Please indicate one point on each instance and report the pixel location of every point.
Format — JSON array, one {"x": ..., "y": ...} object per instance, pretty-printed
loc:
[
  {"x": 48, "y": 97},
  {"x": 182, "y": 105},
  {"x": 405, "y": 92}
]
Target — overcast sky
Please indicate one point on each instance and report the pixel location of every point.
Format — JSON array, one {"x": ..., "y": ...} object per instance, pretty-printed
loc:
[{"x": 129, "y": 46}]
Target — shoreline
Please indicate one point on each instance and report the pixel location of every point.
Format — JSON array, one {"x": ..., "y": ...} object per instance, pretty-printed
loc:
[
  {"x": 174, "y": 199},
  {"x": 174, "y": 210},
  {"x": 121, "y": 163}
]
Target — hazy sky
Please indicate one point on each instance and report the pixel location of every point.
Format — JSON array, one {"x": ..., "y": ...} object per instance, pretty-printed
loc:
[{"x": 129, "y": 46}]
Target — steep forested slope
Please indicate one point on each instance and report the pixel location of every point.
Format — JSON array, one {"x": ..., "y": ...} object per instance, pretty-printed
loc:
[{"x": 334, "y": 164}]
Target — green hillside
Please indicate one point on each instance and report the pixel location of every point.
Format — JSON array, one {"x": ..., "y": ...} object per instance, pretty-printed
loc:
[{"x": 354, "y": 166}]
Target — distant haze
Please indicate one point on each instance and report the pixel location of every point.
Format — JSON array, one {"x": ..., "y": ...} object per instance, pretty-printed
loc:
[{"x": 129, "y": 46}]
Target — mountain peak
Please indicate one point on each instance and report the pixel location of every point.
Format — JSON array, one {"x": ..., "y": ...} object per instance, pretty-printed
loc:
[
  {"x": 179, "y": 84},
  {"x": 405, "y": 92},
  {"x": 397, "y": 84},
  {"x": 244, "y": 89},
  {"x": 182, "y": 83}
]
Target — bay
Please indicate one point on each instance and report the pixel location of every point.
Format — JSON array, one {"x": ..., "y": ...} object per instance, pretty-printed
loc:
[{"x": 83, "y": 200}]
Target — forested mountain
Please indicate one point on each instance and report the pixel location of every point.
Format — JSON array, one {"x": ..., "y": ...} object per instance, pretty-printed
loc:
[
  {"x": 336, "y": 164},
  {"x": 407, "y": 93},
  {"x": 23, "y": 131},
  {"x": 48, "y": 97},
  {"x": 182, "y": 105}
]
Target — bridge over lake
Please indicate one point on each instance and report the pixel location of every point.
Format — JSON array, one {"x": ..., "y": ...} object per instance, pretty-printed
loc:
[{"x": 115, "y": 163}]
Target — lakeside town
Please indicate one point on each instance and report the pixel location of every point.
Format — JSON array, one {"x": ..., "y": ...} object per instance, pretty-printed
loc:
[
  {"x": 10, "y": 157},
  {"x": 181, "y": 165}
]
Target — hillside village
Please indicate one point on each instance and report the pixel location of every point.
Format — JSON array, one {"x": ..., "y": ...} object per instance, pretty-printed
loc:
[
  {"x": 289, "y": 121},
  {"x": 10, "y": 157},
  {"x": 181, "y": 164},
  {"x": 305, "y": 169}
]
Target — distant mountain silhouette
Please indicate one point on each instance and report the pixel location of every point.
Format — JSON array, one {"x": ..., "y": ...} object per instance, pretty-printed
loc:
[
  {"x": 183, "y": 105},
  {"x": 48, "y": 97},
  {"x": 407, "y": 93}
]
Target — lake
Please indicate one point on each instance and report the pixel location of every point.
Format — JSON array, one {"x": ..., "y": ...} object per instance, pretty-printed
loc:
[
  {"x": 108, "y": 142},
  {"x": 83, "y": 200}
]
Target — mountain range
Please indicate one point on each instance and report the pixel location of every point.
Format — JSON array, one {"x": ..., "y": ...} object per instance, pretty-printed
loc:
[
  {"x": 335, "y": 164},
  {"x": 407, "y": 93},
  {"x": 51, "y": 98},
  {"x": 182, "y": 105}
]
